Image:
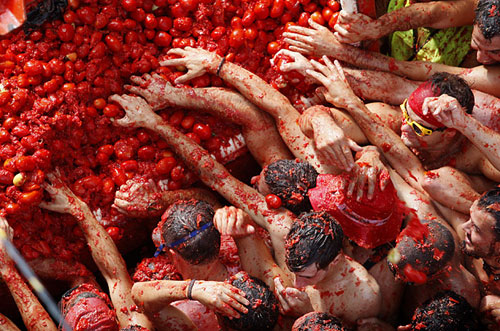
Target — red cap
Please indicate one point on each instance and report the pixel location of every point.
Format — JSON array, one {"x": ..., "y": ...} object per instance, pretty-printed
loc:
[
  {"x": 416, "y": 101},
  {"x": 369, "y": 223}
]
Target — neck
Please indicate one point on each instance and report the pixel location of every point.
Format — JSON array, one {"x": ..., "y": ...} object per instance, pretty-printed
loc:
[
  {"x": 335, "y": 268},
  {"x": 212, "y": 271},
  {"x": 439, "y": 154}
]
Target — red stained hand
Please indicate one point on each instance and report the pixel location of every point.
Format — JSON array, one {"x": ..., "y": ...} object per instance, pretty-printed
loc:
[{"x": 233, "y": 222}]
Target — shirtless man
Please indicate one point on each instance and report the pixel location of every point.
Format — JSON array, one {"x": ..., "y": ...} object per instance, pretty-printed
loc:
[
  {"x": 278, "y": 222},
  {"x": 482, "y": 243},
  {"x": 326, "y": 280},
  {"x": 319, "y": 41},
  {"x": 435, "y": 125},
  {"x": 193, "y": 244}
]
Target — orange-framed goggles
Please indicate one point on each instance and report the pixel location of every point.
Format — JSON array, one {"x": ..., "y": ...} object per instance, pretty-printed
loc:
[{"x": 419, "y": 129}]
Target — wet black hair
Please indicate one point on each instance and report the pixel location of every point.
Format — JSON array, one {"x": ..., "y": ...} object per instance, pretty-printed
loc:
[
  {"x": 446, "y": 311},
  {"x": 263, "y": 309},
  {"x": 454, "y": 86},
  {"x": 490, "y": 202},
  {"x": 318, "y": 321},
  {"x": 46, "y": 10},
  {"x": 488, "y": 18},
  {"x": 180, "y": 220},
  {"x": 290, "y": 180},
  {"x": 315, "y": 237},
  {"x": 427, "y": 255}
]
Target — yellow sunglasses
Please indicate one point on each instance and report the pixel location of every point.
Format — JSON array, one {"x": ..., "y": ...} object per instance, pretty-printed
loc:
[{"x": 418, "y": 128}]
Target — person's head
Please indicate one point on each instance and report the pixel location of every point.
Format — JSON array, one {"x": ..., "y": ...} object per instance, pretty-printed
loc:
[
  {"x": 188, "y": 231},
  {"x": 313, "y": 242},
  {"x": 425, "y": 131},
  {"x": 446, "y": 311},
  {"x": 486, "y": 32},
  {"x": 482, "y": 230},
  {"x": 85, "y": 308},
  {"x": 263, "y": 310},
  {"x": 423, "y": 251},
  {"x": 317, "y": 321},
  {"x": 289, "y": 180},
  {"x": 160, "y": 267}
]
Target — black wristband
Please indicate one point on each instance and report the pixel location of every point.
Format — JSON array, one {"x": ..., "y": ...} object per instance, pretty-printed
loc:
[
  {"x": 190, "y": 289},
  {"x": 220, "y": 65}
]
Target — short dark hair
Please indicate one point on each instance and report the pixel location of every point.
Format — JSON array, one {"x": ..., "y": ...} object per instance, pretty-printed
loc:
[
  {"x": 263, "y": 309},
  {"x": 160, "y": 267},
  {"x": 454, "y": 86},
  {"x": 490, "y": 202},
  {"x": 318, "y": 321},
  {"x": 488, "y": 18},
  {"x": 290, "y": 180},
  {"x": 180, "y": 220},
  {"x": 446, "y": 311},
  {"x": 315, "y": 237},
  {"x": 426, "y": 255}
]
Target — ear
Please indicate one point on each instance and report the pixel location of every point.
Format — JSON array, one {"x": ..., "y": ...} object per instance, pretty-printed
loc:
[{"x": 450, "y": 133}]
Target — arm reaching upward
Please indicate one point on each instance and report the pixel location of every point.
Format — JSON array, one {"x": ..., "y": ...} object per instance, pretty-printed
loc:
[
  {"x": 257, "y": 127},
  {"x": 352, "y": 28},
  {"x": 212, "y": 173},
  {"x": 103, "y": 250},
  {"x": 32, "y": 312}
]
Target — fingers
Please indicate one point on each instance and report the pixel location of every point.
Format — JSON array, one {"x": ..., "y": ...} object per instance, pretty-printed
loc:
[
  {"x": 340, "y": 71},
  {"x": 361, "y": 185},
  {"x": 188, "y": 76},
  {"x": 315, "y": 25},
  {"x": 138, "y": 80},
  {"x": 300, "y": 30},
  {"x": 173, "y": 62},
  {"x": 354, "y": 146},
  {"x": 299, "y": 41},
  {"x": 300, "y": 50},
  {"x": 280, "y": 293},
  {"x": 372, "y": 181}
]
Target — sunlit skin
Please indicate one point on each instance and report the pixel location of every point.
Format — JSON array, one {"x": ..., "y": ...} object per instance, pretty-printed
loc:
[
  {"x": 479, "y": 232},
  {"x": 488, "y": 50}
]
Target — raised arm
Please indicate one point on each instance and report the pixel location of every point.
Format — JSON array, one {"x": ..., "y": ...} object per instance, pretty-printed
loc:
[
  {"x": 103, "y": 250},
  {"x": 260, "y": 94},
  {"x": 211, "y": 172},
  {"x": 258, "y": 128},
  {"x": 7, "y": 325},
  {"x": 319, "y": 41},
  {"x": 34, "y": 316},
  {"x": 351, "y": 28}
]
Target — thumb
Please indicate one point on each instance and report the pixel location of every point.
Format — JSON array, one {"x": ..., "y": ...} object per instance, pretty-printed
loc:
[{"x": 354, "y": 146}]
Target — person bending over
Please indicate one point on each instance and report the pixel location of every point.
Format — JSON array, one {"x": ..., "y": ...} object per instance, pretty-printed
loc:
[
  {"x": 318, "y": 321},
  {"x": 318, "y": 41}
]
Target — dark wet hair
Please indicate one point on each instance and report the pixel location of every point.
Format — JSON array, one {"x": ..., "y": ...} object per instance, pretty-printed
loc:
[
  {"x": 290, "y": 180},
  {"x": 454, "y": 86},
  {"x": 160, "y": 267},
  {"x": 446, "y": 311},
  {"x": 180, "y": 220},
  {"x": 490, "y": 202},
  {"x": 427, "y": 255},
  {"x": 318, "y": 321},
  {"x": 263, "y": 309},
  {"x": 315, "y": 237},
  {"x": 488, "y": 18}
]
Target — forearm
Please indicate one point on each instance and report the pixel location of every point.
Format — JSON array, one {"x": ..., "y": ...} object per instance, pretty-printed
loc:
[
  {"x": 435, "y": 14},
  {"x": 153, "y": 296},
  {"x": 484, "y": 138},
  {"x": 7, "y": 325},
  {"x": 32, "y": 312},
  {"x": 170, "y": 197},
  {"x": 112, "y": 266}
]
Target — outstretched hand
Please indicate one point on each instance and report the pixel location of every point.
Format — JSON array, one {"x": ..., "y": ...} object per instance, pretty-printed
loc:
[
  {"x": 157, "y": 91},
  {"x": 369, "y": 170},
  {"x": 197, "y": 61},
  {"x": 220, "y": 297},
  {"x": 139, "y": 197},
  {"x": 138, "y": 113},
  {"x": 63, "y": 199},
  {"x": 316, "y": 40},
  {"x": 292, "y": 301},
  {"x": 233, "y": 221},
  {"x": 354, "y": 27},
  {"x": 338, "y": 91},
  {"x": 447, "y": 110},
  {"x": 300, "y": 63}
]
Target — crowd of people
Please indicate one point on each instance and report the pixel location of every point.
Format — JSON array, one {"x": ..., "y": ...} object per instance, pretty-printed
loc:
[{"x": 380, "y": 215}]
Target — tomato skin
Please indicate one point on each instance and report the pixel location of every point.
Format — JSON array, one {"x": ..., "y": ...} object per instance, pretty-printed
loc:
[
  {"x": 318, "y": 18},
  {"x": 66, "y": 32},
  {"x": 129, "y": 5},
  {"x": 33, "y": 68},
  {"x": 165, "y": 165},
  {"x": 333, "y": 20},
  {"x": 162, "y": 39},
  {"x": 115, "y": 233},
  {"x": 273, "y": 201},
  {"x": 203, "y": 131},
  {"x": 237, "y": 38},
  {"x": 334, "y": 5}
]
